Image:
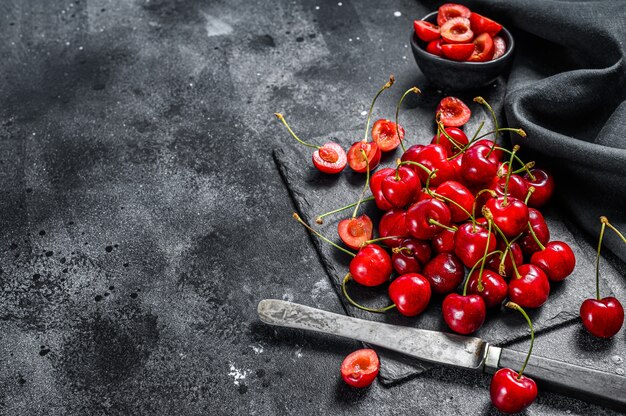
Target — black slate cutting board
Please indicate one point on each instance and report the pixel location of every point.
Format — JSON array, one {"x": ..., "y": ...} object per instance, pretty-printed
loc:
[{"x": 314, "y": 193}]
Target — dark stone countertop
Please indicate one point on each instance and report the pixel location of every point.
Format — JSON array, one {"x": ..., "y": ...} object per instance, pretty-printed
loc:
[{"x": 143, "y": 216}]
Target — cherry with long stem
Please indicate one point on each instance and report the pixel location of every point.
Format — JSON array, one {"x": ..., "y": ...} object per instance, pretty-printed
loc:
[
  {"x": 414, "y": 90},
  {"x": 308, "y": 227},
  {"x": 369, "y": 113},
  {"x": 345, "y": 280}
]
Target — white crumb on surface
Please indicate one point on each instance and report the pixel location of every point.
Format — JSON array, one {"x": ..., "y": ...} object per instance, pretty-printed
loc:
[
  {"x": 237, "y": 374},
  {"x": 397, "y": 14},
  {"x": 258, "y": 349}
]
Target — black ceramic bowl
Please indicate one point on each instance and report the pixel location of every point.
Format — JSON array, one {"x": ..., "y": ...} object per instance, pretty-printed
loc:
[{"x": 454, "y": 75}]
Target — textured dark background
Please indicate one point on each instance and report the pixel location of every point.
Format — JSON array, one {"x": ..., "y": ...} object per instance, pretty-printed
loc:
[{"x": 143, "y": 217}]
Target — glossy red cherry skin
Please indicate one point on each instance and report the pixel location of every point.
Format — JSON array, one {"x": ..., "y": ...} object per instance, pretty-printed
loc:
[
  {"x": 433, "y": 156},
  {"x": 470, "y": 242},
  {"x": 544, "y": 187},
  {"x": 393, "y": 223},
  {"x": 360, "y": 368},
  {"x": 531, "y": 289},
  {"x": 371, "y": 266},
  {"x": 476, "y": 167},
  {"x": 356, "y": 160},
  {"x": 376, "y": 181},
  {"x": 510, "y": 394},
  {"x": 539, "y": 226},
  {"x": 419, "y": 214},
  {"x": 494, "y": 287},
  {"x": 511, "y": 218},
  {"x": 401, "y": 190},
  {"x": 443, "y": 242},
  {"x": 410, "y": 293},
  {"x": 330, "y": 158},
  {"x": 413, "y": 254},
  {"x": 602, "y": 318},
  {"x": 456, "y": 134},
  {"x": 557, "y": 260},
  {"x": 354, "y": 232},
  {"x": 493, "y": 263},
  {"x": 445, "y": 273},
  {"x": 496, "y": 154},
  {"x": 517, "y": 186},
  {"x": 458, "y": 193},
  {"x": 464, "y": 314}
]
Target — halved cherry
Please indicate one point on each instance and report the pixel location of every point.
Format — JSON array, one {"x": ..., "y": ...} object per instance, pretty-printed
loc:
[
  {"x": 499, "y": 46},
  {"x": 426, "y": 31},
  {"x": 482, "y": 24},
  {"x": 457, "y": 30},
  {"x": 355, "y": 231},
  {"x": 356, "y": 160},
  {"x": 453, "y": 112},
  {"x": 330, "y": 158},
  {"x": 458, "y": 51},
  {"x": 384, "y": 134},
  {"x": 434, "y": 47},
  {"x": 360, "y": 368},
  {"x": 451, "y": 10},
  {"x": 483, "y": 48}
]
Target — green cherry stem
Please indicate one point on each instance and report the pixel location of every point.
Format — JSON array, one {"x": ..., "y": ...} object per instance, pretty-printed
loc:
[
  {"x": 367, "y": 183},
  {"x": 519, "y": 132},
  {"x": 319, "y": 219},
  {"x": 516, "y": 157},
  {"x": 515, "y": 306},
  {"x": 282, "y": 118},
  {"x": 531, "y": 189},
  {"x": 489, "y": 217},
  {"x": 605, "y": 220},
  {"x": 414, "y": 90},
  {"x": 532, "y": 233},
  {"x": 446, "y": 199},
  {"x": 480, "y": 127},
  {"x": 442, "y": 130},
  {"x": 438, "y": 224},
  {"x": 480, "y": 100},
  {"x": 509, "y": 252},
  {"x": 345, "y": 280},
  {"x": 526, "y": 167},
  {"x": 376, "y": 240},
  {"x": 369, "y": 114},
  {"x": 338, "y": 247},
  {"x": 508, "y": 175},
  {"x": 482, "y": 261},
  {"x": 482, "y": 265},
  {"x": 410, "y": 162},
  {"x": 598, "y": 257},
  {"x": 479, "y": 193}
]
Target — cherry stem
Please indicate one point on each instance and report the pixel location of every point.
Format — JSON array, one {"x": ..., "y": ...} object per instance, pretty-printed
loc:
[
  {"x": 506, "y": 241},
  {"x": 598, "y": 258},
  {"x": 410, "y": 162},
  {"x": 519, "y": 132},
  {"x": 508, "y": 175},
  {"x": 319, "y": 218},
  {"x": 481, "y": 100},
  {"x": 526, "y": 167},
  {"x": 369, "y": 114},
  {"x": 353, "y": 303},
  {"x": 605, "y": 220},
  {"x": 482, "y": 265},
  {"x": 480, "y": 127},
  {"x": 532, "y": 233},
  {"x": 516, "y": 158},
  {"x": 376, "y": 240},
  {"x": 446, "y": 199},
  {"x": 407, "y": 251},
  {"x": 515, "y": 306},
  {"x": 442, "y": 130},
  {"x": 509, "y": 252},
  {"x": 438, "y": 224},
  {"x": 416, "y": 91},
  {"x": 479, "y": 261},
  {"x": 367, "y": 183},
  {"x": 282, "y": 118},
  {"x": 338, "y": 247},
  {"x": 479, "y": 193},
  {"x": 531, "y": 189}
]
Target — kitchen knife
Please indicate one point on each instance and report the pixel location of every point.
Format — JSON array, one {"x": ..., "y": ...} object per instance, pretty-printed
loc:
[{"x": 595, "y": 386}]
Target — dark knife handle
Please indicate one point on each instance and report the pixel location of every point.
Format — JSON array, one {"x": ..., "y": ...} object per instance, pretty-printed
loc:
[{"x": 605, "y": 389}]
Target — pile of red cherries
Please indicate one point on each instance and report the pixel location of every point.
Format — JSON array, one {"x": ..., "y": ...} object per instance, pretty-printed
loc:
[{"x": 461, "y": 35}]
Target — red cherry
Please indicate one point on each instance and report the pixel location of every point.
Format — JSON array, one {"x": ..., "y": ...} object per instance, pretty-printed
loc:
[
  {"x": 426, "y": 31},
  {"x": 493, "y": 263},
  {"x": 410, "y": 293},
  {"x": 482, "y": 24},
  {"x": 494, "y": 287},
  {"x": 531, "y": 289},
  {"x": 511, "y": 216},
  {"x": 464, "y": 314},
  {"x": 355, "y": 231},
  {"x": 499, "y": 46},
  {"x": 451, "y": 10},
  {"x": 375, "y": 186},
  {"x": 356, "y": 160},
  {"x": 443, "y": 242},
  {"x": 479, "y": 165},
  {"x": 461, "y": 195},
  {"x": 456, "y": 30},
  {"x": 420, "y": 214},
  {"x": 444, "y": 272},
  {"x": 457, "y": 135},
  {"x": 360, "y": 368},
  {"x": 539, "y": 226},
  {"x": 557, "y": 260},
  {"x": 543, "y": 183},
  {"x": 496, "y": 154},
  {"x": 602, "y": 318},
  {"x": 510, "y": 394},
  {"x": 393, "y": 223},
  {"x": 457, "y": 51},
  {"x": 385, "y": 135},
  {"x": 470, "y": 241},
  {"x": 453, "y": 112},
  {"x": 434, "y": 47},
  {"x": 432, "y": 156},
  {"x": 371, "y": 266},
  {"x": 410, "y": 256},
  {"x": 400, "y": 189},
  {"x": 484, "y": 49},
  {"x": 518, "y": 188}
]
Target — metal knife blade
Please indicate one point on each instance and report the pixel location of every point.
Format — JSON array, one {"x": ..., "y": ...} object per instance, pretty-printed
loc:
[{"x": 432, "y": 346}]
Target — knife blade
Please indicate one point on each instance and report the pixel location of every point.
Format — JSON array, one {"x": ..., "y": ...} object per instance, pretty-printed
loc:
[{"x": 584, "y": 383}]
